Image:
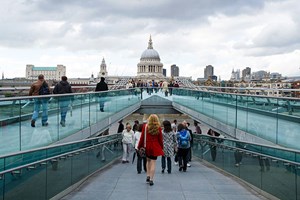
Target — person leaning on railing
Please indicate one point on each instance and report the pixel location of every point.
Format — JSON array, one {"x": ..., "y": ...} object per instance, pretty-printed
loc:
[{"x": 40, "y": 87}]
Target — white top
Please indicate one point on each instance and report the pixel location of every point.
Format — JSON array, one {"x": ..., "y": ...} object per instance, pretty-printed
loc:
[
  {"x": 127, "y": 137},
  {"x": 137, "y": 137}
]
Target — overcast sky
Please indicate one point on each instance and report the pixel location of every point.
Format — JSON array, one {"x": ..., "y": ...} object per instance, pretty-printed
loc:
[{"x": 263, "y": 35}]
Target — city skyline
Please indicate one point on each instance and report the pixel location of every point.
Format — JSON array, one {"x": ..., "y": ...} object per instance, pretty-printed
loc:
[{"x": 262, "y": 35}]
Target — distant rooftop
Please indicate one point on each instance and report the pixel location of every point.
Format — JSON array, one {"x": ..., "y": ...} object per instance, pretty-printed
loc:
[{"x": 44, "y": 68}]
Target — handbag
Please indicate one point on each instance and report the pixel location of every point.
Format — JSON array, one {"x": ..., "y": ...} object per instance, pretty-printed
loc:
[{"x": 142, "y": 150}]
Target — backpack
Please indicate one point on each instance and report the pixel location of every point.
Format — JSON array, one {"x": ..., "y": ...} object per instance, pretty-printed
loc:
[
  {"x": 44, "y": 89},
  {"x": 183, "y": 139}
]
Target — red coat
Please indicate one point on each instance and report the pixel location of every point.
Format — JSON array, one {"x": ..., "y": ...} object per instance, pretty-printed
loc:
[{"x": 154, "y": 143}]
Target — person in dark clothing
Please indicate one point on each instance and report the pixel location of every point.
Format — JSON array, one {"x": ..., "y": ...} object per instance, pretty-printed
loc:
[
  {"x": 197, "y": 128},
  {"x": 213, "y": 148},
  {"x": 101, "y": 86},
  {"x": 121, "y": 127},
  {"x": 191, "y": 142},
  {"x": 63, "y": 87},
  {"x": 135, "y": 126}
]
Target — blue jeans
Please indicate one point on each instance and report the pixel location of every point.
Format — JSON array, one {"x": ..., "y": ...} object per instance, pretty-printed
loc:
[
  {"x": 36, "y": 111},
  {"x": 63, "y": 106},
  {"x": 101, "y": 103}
]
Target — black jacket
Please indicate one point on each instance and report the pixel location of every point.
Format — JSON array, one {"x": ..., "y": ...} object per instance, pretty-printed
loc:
[
  {"x": 62, "y": 87},
  {"x": 101, "y": 86}
]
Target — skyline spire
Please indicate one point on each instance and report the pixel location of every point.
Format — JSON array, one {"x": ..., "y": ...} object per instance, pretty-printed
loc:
[{"x": 150, "y": 44}]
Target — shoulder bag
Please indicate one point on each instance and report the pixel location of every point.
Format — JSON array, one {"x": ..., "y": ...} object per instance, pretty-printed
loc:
[{"x": 142, "y": 150}]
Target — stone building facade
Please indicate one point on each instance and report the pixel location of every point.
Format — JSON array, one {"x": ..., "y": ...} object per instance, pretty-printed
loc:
[{"x": 50, "y": 73}]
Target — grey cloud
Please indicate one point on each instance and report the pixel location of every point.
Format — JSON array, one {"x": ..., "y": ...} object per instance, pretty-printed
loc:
[
  {"x": 275, "y": 38},
  {"x": 78, "y": 10}
]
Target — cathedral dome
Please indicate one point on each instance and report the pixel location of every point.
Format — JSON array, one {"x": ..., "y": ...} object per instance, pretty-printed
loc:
[{"x": 150, "y": 53}]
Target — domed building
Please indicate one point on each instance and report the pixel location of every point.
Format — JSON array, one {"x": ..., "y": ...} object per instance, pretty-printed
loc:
[{"x": 150, "y": 66}]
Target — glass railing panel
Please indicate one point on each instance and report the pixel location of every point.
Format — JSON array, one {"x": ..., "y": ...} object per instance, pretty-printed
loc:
[
  {"x": 289, "y": 123},
  {"x": 25, "y": 158},
  {"x": 264, "y": 167},
  {"x": 10, "y": 126},
  {"x": 242, "y": 113},
  {"x": 250, "y": 169},
  {"x": 46, "y": 179},
  {"x": 1, "y": 187},
  {"x": 54, "y": 151},
  {"x": 220, "y": 112},
  {"x": 94, "y": 108},
  {"x": 58, "y": 176},
  {"x": 44, "y": 130},
  {"x": 10, "y": 111},
  {"x": 231, "y": 161},
  {"x": 80, "y": 167},
  {"x": 279, "y": 180},
  {"x": 26, "y": 184}
]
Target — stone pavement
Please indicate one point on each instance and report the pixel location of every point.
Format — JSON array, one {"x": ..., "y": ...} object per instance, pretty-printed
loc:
[{"x": 121, "y": 181}]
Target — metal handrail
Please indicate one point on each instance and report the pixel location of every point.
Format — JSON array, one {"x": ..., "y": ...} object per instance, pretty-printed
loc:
[
  {"x": 54, "y": 157},
  {"x": 252, "y": 152},
  {"x": 56, "y": 145},
  {"x": 59, "y": 95},
  {"x": 253, "y": 143},
  {"x": 237, "y": 94}
]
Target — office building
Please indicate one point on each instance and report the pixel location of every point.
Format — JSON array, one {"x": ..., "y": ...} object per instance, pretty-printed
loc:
[
  {"x": 174, "y": 71},
  {"x": 208, "y": 71}
]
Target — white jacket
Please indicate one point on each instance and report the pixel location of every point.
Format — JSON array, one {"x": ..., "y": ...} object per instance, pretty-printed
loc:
[
  {"x": 137, "y": 137},
  {"x": 127, "y": 137}
]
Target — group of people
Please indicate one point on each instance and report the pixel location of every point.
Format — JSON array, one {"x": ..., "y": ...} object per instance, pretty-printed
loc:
[
  {"x": 41, "y": 88},
  {"x": 154, "y": 86},
  {"x": 166, "y": 140}
]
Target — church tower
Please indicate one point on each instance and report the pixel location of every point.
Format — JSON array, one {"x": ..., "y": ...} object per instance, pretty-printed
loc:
[{"x": 103, "y": 71}]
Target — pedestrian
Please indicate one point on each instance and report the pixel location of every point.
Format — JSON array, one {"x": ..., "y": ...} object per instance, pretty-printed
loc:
[
  {"x": 63, "y": 87},
  {"x": 165, "y": 88},
  {"x": 154, "y": 145},
  {"x": 169, "y": 146},
  {"x": 40, "y": 87},
  {"x": 183, "y": 143},
  {"x": 102, "y": 86},
  {"x": 197, "y": 128},
  {"x": 140, "y": 159},
  {"x": 120, "y": 127},
  {"x": 191, "y": 143},
  {"x": 171, "y": 88},
  {"x": 174, "y": 128},
  {"x": 213, "y": 147},
  {"x": 127, "y": 141},
  {"x": 135, "y": 126}
]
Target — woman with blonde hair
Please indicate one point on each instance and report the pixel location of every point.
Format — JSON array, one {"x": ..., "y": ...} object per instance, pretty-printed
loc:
[{"x": 154, "y": 145}]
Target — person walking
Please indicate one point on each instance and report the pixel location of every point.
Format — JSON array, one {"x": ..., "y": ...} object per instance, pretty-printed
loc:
[
  {"x": 127, "y": 141},
  {"x": 183, "y": 143},
  {"x": 169, "y": 146},
  {"x": 154, "y": 145},
  {"x": 165, "y": 88},
  {"x": 40, "y": 87},
  {"x": 197, "y": 128},
  {"x": 102, "y": 86},
  {"x": 135, "y": 126},
  {"x": 140, "y": 159},
  {"x": 63, "y": 87}
]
